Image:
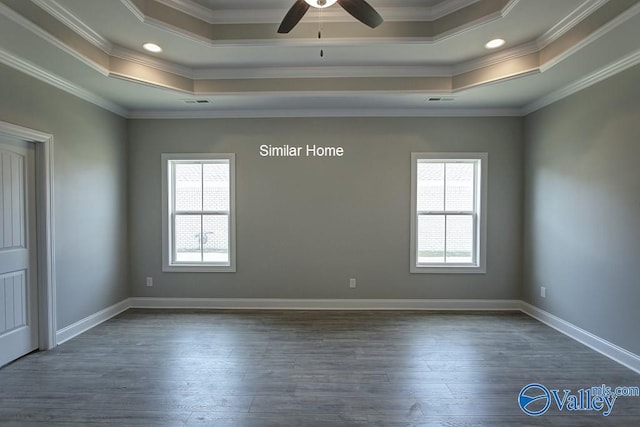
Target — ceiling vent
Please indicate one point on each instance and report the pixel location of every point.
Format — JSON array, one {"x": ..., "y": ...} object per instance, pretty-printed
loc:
[
  {"x": 440, "y": 99},
  {"x": 196, "y": 101}
]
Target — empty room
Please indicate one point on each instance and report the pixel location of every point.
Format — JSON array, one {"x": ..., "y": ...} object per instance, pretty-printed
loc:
[{"x": 319, "y": 212}]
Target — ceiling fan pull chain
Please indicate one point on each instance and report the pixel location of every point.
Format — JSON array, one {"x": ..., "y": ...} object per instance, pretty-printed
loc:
[{"x": 320, "y": 34}]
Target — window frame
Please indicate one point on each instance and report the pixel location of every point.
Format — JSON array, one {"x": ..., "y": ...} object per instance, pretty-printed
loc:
[
  {"x": 478, "y": 266},
  {"x": 168, "y": 195}
]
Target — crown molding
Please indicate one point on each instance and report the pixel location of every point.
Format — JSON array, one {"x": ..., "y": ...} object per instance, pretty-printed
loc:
[
  {"x": 448, "y": 7},
  {"x": 135, "y": 71},
  {"x": 497, "y": 58},
  {"x": 35, "y": 29},
  {"x": 179, "y": 25},
  {"x": 561, "y": 28},
  {"x": 611, "y": 70},
  {"x": 33, "y": 70},
  {"x": 74, "y": 23},
  {"x": 323, "y": 72},
  {"x": 466, "y": 27},
  {"x": 281, "y": 72},
  {"x": 148, "y": 61},
  {"x": 576, "y": 16},
  {"x": 26, "y": 67},
  {"x": 194, "y": 9},
  {"x": 603, "y": 30},
  {"x": 325, "y": 113},
  {"x": 133, "y": 8},
  {"x": 272, "y": 16}
]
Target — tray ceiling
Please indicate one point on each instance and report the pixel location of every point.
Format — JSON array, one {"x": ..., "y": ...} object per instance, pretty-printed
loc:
[{"x": 229, "y": 54}]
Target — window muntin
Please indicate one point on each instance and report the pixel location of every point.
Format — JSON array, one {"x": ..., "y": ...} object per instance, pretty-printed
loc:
[
  {"x": 447, "y": 221},
  {"x": 199, "y": 217}
]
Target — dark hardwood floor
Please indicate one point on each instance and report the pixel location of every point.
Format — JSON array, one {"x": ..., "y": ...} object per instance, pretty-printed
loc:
[{"x": 307, "y": 368}]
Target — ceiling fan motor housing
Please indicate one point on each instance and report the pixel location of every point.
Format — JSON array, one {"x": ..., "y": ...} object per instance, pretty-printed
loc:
[{"x": 321, "y": 4}]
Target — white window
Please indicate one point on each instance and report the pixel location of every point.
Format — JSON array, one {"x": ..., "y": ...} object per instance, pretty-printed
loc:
[
  {"x": 198, "y": 212},
  {"x": 448, "y": 212}
]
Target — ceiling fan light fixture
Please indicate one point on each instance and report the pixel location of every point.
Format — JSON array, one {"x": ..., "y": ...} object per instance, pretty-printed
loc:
[
  {"x": 152, "y": 47},
  {"x": 320, "y": 4},
  {"x": 495, "y": 43},
  {"x": 359, "y": 9}
]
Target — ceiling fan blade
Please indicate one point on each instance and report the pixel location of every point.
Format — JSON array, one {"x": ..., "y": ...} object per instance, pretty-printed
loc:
[
  {"x": 294, "y": 16},
  {"x": 362, "y": 11}
]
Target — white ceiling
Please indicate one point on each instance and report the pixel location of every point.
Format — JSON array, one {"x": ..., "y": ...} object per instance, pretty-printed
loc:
[
  {"x": 285, "y": 4},
  {"x": 245, "y": 69},
  {"x": 116, "y": 23}
]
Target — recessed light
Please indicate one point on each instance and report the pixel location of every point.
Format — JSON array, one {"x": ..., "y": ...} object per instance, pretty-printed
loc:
[
  {"x": 152, "y": 47},
  {"x": 495, "y": 43}
]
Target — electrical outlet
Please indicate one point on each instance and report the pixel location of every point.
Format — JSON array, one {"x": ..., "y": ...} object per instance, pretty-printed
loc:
[
  {"x": 149, "y": 281},
  {"x": 543, "y": 292},
  {"x": 352, "y": 283}
]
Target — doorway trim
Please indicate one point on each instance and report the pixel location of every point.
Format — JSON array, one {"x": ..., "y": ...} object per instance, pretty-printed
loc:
[{"x": 44, "y": 229}]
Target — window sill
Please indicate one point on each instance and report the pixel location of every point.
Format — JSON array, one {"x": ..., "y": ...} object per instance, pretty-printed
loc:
[
  {"x": 198, "y": 268},
  {"x": 447, "y": 270}
]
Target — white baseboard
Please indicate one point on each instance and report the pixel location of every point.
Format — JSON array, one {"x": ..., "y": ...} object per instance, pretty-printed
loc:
[
  {"x": 325, "y": 304},
  {"x": 83, "y": 325},
  {"x": 608, "y": 349},
  {"x": 602, "y": 346}
]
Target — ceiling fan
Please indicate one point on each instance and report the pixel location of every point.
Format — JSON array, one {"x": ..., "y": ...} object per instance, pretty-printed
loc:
[{"x": 359, "y": 9}]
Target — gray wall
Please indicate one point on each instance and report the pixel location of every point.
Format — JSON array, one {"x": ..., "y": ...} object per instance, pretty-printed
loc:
[
  {"x": 582, "y": 209},
  {"x": 306, "y": 225},
  {"x": 90, "y": 191}
]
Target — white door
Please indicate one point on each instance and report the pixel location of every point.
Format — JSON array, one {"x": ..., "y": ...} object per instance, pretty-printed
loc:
[{"x": 18, "y": 292}]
